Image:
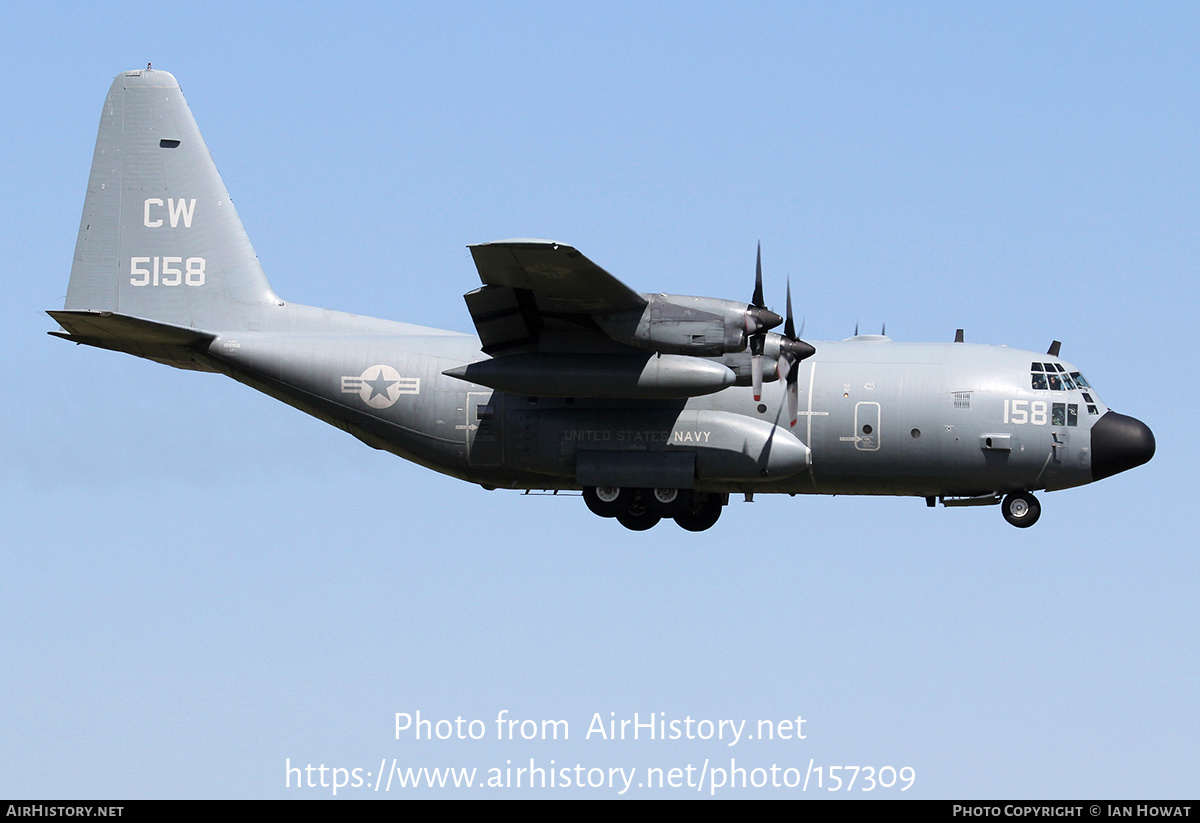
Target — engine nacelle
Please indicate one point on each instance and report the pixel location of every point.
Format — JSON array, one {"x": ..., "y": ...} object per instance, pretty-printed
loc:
[
  {"x": 631, "y": 376},
  {"x": 698, "y": 326},
  {"x": 740, "y": 362}
]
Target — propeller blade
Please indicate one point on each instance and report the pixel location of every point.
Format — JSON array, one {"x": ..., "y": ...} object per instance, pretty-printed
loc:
[
  {"x": 789, "y": 330},
  {"x": 758, "y": 301},
  {"x": 758, "y": 317},
  {"x": 793, "y": 400},
  {"x": 791, "y": 348},
  {"x": 791, "y": 351}
]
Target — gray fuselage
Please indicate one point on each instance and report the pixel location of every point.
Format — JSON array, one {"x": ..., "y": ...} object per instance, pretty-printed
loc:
[{"x": 880, "y": 417}]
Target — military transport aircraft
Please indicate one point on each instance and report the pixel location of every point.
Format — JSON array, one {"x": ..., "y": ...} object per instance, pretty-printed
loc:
[{"x": 655, "y": 405}]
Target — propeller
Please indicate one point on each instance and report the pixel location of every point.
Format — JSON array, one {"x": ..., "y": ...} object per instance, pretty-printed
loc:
[
  {"x": 791, "y": 351},
  {"x": 758, "y": 320}
]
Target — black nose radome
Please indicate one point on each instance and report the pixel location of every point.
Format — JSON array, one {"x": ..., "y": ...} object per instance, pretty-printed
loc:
[{"x": 1119, "y": 443}]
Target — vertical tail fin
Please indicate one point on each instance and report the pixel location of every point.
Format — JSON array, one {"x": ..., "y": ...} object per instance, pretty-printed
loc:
[{"x": 160, "y": 239}]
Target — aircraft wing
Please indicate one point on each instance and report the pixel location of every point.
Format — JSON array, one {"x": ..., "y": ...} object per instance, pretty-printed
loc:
[{"x": 531, "y": 287}]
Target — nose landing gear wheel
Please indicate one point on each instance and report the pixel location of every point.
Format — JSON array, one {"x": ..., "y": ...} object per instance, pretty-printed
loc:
[{"x": 1021, "y": 509}]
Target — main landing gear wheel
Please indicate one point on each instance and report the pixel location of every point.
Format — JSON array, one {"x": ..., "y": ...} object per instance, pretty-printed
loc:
[
  {"x": 667, "y": 502},
  {"x": 1021, "y": 509},
  {"x": 700, "y": 515},
  {"x": 607, "y": 501},
  {"x": 638, "y": 515},
  {"x": 638, "y": 519}
]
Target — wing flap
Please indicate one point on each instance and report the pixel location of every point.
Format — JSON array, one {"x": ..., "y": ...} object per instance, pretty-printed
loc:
[{"x": 507, "y": 319}]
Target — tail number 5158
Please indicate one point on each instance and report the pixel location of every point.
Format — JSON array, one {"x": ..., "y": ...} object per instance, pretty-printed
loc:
[{"x": 166, "y": 271}]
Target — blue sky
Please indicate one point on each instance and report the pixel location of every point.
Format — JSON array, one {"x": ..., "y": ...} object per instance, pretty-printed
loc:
[{"x": 202, "y": 584}]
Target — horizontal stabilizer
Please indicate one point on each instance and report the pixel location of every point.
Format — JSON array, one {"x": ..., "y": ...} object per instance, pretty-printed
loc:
[{"x": 162, "y": 342}]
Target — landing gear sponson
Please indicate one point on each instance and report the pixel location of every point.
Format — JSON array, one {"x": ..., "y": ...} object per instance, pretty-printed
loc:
[{"x": 641, "y": 509}]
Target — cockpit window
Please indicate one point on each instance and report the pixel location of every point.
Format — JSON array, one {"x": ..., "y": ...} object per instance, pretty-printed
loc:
[
  {"x": 1053, "y": 377},
  {"x": 1064, "y": 414},
  {"x": 1058, "y": 414}
]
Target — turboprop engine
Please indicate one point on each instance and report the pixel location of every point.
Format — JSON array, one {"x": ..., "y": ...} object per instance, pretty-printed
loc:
[{"x": 699, "y": 326}]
